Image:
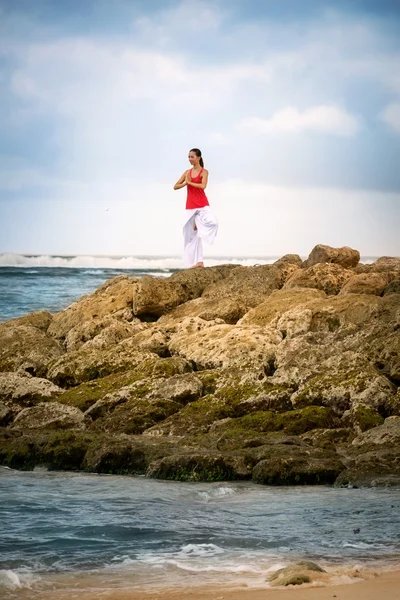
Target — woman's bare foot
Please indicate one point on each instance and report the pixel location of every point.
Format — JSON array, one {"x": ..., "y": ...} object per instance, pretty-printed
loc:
[
  {"x": 197, "y": 265},
  {"x": 195, "y": 227}
]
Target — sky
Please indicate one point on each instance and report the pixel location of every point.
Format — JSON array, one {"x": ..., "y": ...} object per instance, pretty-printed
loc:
[{"x": 295, "y": 105}]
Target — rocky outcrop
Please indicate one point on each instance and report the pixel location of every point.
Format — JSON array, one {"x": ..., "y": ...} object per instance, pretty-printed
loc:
[
  {"x": 284, "y": 374},
  {"x": 113, "y": 298},
  {"x": 345, "y": 257}
]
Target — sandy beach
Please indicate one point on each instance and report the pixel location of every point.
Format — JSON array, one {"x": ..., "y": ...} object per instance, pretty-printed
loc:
[{"x": 373, "y": 586}]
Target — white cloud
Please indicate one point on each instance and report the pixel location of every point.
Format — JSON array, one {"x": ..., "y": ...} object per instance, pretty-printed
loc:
[
  {"x": 391, "y": 116},
  {"x": 322, "y": 119}
]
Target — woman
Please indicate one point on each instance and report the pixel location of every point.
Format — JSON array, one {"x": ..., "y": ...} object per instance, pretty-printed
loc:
[{"x": 200, "y": 223}]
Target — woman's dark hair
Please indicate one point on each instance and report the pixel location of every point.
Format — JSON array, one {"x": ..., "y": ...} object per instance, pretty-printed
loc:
[{"x": 198, "y": 153}]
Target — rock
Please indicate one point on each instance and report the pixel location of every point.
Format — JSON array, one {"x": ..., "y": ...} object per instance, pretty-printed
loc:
[
  {"x": 386, "y": 434},
  {"x": 327, "y": 277},
  {"x": 40, "y": 319},
  {"x": 385, "y": 263},
  {"x": 195, "y": 281},
  {"x": 278, "y": 303},
  {"x": 26, "y": 348},
  {"x": 101, "y": 333},
  {"x": 367, "y": 283},
  {"x": 153, "y": 339},
  {"x": 153, "y": 297},
  {"x": 208, "y": 309},
  {"x": 296, "y": 574},
  {"x": 92, "y": 363},
  {"x": 291, "y": 259},
  {"x": 392, "y": 288},
  {"x": 6, "y": 414},
  {"x": 299, "y": 469},
  {"x": 199, "y": 467},
  {"x": 225, "y": 346},
  {"x": 345, "y": 257},
  {"x": 180, "y": 388},
  {"x": 113, "y": 298},
  {"x": 362, "y": 417},
  {"x": 26, "y": 391},
  {"x": 249, "y": 285},
  {"x": 50, "y": 415}
]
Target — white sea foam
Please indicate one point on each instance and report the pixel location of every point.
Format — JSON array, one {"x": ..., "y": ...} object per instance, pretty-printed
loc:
[
  {"x": 118, "y": 262},
  {"x": 11, "y": 580}
]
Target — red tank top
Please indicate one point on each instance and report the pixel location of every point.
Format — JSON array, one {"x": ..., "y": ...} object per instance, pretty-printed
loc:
[{"x": 196, "y": 197}]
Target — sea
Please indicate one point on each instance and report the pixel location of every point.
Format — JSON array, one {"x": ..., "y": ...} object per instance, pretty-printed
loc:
[{"x": 63, "y": 534}]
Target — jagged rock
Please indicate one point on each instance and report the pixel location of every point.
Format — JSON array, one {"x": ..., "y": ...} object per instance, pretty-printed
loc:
[
  {"x": 199, "y": 467},
  {"x": 113, "y": 298},
  {"x": 345, "y": 257},
  {"x": 250, "y": 285},
  {"x": 153, "y": 339},
  {"x": 153, "y": 297},
  {"x": 26, "y": 348},
  {"x": 323, "y": 276},
  {"x": 208, "y": 309},
  {"x": 50, "y": 415},
  {"x": 362, "y": 417},
  {"x": 91, "y": 363},
  {"x": 367, "y": 283},
  {"x": 225, "y": 346},
  {"x": 385, "y": 263},
  {"x": 26, "y": 391},
  {"x": 101, "y": 333}
]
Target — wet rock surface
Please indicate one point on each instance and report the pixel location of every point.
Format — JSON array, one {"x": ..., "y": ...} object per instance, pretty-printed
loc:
[{"x": 286, "y": 374}]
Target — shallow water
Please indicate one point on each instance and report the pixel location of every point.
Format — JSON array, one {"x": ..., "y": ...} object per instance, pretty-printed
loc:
[{"x": 63, "y": 530}]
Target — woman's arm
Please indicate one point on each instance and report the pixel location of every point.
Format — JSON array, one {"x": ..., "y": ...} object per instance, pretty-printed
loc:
[
  {"x": 181, "y": 181},
  {"x": 204, "y": 180}
]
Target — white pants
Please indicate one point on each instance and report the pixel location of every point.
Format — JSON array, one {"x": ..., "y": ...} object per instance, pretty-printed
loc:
[{"x": 207, "y": 227}]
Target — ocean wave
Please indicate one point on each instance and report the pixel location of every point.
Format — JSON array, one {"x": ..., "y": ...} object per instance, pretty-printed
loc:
[
  {"x": 11, "y": 580},
  {"x": 119, "y": 262}
]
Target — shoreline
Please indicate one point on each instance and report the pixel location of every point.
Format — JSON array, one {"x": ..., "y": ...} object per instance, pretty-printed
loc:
[{"x": 385, "y": 585}]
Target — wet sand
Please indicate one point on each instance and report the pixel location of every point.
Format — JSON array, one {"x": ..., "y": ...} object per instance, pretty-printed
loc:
[{"x": 385, "y": 585}]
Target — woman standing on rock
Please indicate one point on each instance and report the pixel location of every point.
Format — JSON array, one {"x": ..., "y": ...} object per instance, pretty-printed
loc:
[{"x": 200, "y": 223}]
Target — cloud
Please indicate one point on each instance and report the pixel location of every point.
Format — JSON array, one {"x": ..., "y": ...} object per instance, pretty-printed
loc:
[
  {"x": 321, "y": 119},
  {"x": 391, "y": 116}
]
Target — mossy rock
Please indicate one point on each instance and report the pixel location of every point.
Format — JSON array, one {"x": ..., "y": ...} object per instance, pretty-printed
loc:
[
  {"x": 365, "y": 417},
  {"x": 19, "y": 452},
  {"x": 65, "y": 451},
  {"x": 199, "y": 467},
  {"x": 297, "y": 469},
  {"x": 165, "y": 367},
  {"x": 295, "y": 579}
]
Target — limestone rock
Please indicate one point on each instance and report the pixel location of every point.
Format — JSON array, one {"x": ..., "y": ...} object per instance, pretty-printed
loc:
[
  {"x": 101, "y": 333},
  {"x": 26, "y": 391},
  {"x": 322, "y": 276},
  {"x": 227, "y": 346},
  {"x": 367, "y": 283},
  {"x": 207, "y": 309},
  {"x": 387, "y": 434},
  {"x": 299, "y": 469},
  {"x": 153, "y": 296},
  {"x": 26, "y": 348},
  {"x": 278, "y": 303},
  {"x": 153, "y": 339},
  {"x": 113, "y": 298},
  {"x": 91, "y": 363},
  {"x": 296, "y": 574},
  {"x": 249, "y": 285},
  {"x": 40, "y": 319},
  {"x": 345, "y": 257},
  {"x": 386, "y": 263},
  {"x": 180, "y": 388},
  {"x": 291, "y": 259},
  {"x": 195, "y": 281},
  {"x": 50, "y": 415},
  {"x": 392, "y": 288},
  {"x": 6, "y": 414}
]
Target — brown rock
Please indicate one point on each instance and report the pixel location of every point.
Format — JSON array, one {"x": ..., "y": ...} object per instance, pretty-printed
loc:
[
  {"x": 291, "y": 259},
  {"x": 249, "y": 285},
  {"x": 153, "y": 296},
  {"x": 101, "y": 332},
  {"x": 345, "y": 257},
  {"x": 194, "y": 281},
  {"x": 50, "y": 415},
  {"x": 114, "y": 298},
  {"x": 92, "y": 363},
  {"x": 199, "y": 467},
  {"x": 327, "y": 277},
  {"x": 226, "y": 346},
  {"x": 26, "y": 391},
  {"x": 367, "y": 283},
  {"x": 207, "y": 309},
  {"x": 40, "y": 319},
  {"x": 26, "y": 348}
]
